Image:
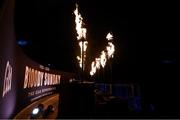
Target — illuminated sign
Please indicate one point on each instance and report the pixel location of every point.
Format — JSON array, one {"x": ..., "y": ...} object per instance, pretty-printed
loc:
[
  {"x": 7, "y": 79},
  {"x": 35, "y": 78}
]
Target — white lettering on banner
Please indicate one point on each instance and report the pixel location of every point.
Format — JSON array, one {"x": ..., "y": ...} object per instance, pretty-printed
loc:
[
  {"x": 35, "y": 78},
  {"x": 7, "y": 79}
]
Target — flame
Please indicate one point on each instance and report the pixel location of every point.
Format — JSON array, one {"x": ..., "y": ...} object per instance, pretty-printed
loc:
[
  {"x": 98, "y": 64},
  {"x": 79, "y": 22},
  {"x": 83, "y": 50},
  {"x": 110, "y": 48},
  {"x": 80, "y": 61},
  {"x": 105, "y": 54},
  {"x": 109, "y": 36},
  {"x": 103, "y": 59},
  {"x": 81, "y": 32},
  {"x": 83, "y": 47},
  {"x": 93, "y": 68}
]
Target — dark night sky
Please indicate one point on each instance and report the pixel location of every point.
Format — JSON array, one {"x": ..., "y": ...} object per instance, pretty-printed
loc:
[
  {"x": 142, "y": 33},
  {"x": 144, "y": 38}
]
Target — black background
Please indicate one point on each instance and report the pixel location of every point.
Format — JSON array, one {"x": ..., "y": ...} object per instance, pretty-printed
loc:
[{"x": 143, "y": 33}]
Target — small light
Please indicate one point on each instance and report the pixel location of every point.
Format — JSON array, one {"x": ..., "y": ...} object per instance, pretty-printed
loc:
[
  {"x": 35, "y": 111},
  {"x": 70, "y": 80},
  {"x": 22, "y": 42}
]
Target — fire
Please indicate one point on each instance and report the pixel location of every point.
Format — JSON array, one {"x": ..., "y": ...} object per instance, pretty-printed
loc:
[
  {"x": 95, "y": 65},
  {"x": 105, "y": 54},
  {"x": 109, "y": 36},
  {"x": 98, "y": 64},
  {"x": 81, "y": 37},
  {"x": 81, "y": 32},
  {"x": 110, "y": 48},
  {"x": 100, "y": 61},
  {"x": 103, "y": 59},
  {"x": 83, "y": 48},
  {"x": 93, "y": 68},
  {"x": 80, "y": 61},
  {"x": 79, "y": 22}
]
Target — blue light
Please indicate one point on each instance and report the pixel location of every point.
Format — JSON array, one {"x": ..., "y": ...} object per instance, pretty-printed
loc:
[{"x": 22, "y": 42}]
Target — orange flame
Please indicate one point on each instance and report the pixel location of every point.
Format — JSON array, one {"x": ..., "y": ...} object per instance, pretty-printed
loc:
[
  {"x": 93, "y": 68},
  {"x": 79, "y": 22},
  {"x": 98, "y": 63},
  {"x": 109, "y": 36},
  {"x": 110, "y": 48},
  {"x": 103, "y": 59},
  {"x": 80, "y": 61},
  {"x": 81, "y": 31},
  {"x": 107, "y": 54},
  {"x": 84, "y": 47}
]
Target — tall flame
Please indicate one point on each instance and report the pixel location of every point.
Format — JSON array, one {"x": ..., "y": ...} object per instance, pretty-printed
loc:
[
  {"x": 81, "y": 32},
  {"x": 79, "y": 22},
  {"x": 105, "y": 54}
]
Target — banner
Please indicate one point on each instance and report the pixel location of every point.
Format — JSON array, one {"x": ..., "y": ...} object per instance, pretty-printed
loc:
[{"x": 22, "y": 81}]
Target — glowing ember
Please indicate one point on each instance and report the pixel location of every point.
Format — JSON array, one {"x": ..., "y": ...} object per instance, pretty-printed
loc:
[{"x": 81, "y": 31}]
